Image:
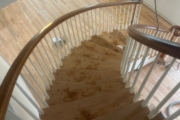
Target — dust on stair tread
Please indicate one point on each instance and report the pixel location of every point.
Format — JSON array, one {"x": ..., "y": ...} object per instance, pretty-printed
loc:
[
  {"x": 116, "y": 37},
  {"x": 66, "y": 91},
  {"x": 96, "y": 39},
  {"x": 73, "y": 75},
  {"x": 99, "y": 105}
]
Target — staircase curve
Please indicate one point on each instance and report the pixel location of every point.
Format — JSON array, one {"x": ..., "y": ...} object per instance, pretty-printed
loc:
[{"x": 71, "y": 77}]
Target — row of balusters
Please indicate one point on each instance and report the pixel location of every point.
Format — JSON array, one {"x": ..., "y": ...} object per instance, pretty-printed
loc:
[
  {"x": 134, "y": 58},
  {"x": 46, "y": 58}
]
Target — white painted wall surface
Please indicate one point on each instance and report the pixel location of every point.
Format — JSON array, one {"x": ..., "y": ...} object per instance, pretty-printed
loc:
[
  {"x": 4, "y": 66},
  {"x": 4, "y": 3},
  {"x": 168, "y": 9}
]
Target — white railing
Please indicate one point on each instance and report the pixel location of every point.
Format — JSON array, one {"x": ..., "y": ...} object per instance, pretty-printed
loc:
[
  {"x": 42, "y": 56},
  {"x": 142, "y": 36}
]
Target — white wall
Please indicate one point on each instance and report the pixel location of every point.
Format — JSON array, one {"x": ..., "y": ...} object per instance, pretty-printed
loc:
[
  {"x": 18, "y": 110},
  {"x": 4, "y": 3},
  {"x": 169, "y": 9}
]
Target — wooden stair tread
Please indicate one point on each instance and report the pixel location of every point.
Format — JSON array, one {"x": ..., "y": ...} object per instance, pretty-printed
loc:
[
  {"x": 73, "y": 75},
  {"x": 66, "y": 91},
  {"x": 93, "y": 57},
  {"x": 104, "y": 43},
  {"x": 93, "y": 106},
  {"x": 85, "y": 52},
  {"x": 116, "y": 37},
  {"x": 130, "y": 112},
  {"x": 77, "y": 62},
  {"x": 93, "y": 47}
]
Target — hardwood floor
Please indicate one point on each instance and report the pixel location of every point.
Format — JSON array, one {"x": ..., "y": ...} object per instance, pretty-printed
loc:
[
  {"x": 171, "y": 79},
  {"x": 22, "y": 19}
]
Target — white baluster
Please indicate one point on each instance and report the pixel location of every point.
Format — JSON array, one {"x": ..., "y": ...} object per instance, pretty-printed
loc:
[
  {"x": 96, "y": 26},
  {"x": 84, "y": 27},
  {"x": 35, "y": 92},
  {"x": 38, "y": 84},
  {"x": 125, "y": 54},
  {"x": 83, "y": 38},
  {"x": 119, "y": 15},
  {"x": 25, "y": 108},
  {"x": 43, "y": 70},
  {"x": 124, "y": 16},
  {"x": 99, "y": 22},
  {"x": 72, "y": 46},
  {"x": 48, "y": 56},
  {"x": 57, "y": 55},
  {"x": 138, "y": 14},
  {"x": 139, "y": 70},
  {"x": 131, "y": 14},
  {"x": 64, "y": 46},
  {"x": 92, "y": 21},
  {"x": 160, "y": 36},
  {"x": 145, "y": 79},
  {"x": 161, "y": 104},
  {"x": 103, "y": 20},
  {"x": 144, "y": 104},
  {"x": 39, "y": 74},
  {"x": 115, "y": 27},
  {"x": 134, "y": 64},
  {"x": 51, "y": 52},
  {"x": 164, "y": 35},
  {"x": 65, "y": 53},
  {"x": 47, "y": 66},
  {"x": 89, "y": 25},
  {"x": 108, "y": 21},
  {"x": 112, "y": 19},
  {"x": 68, "y": 46},
  {"x": 129, "y": 60},
  {"x": 171, "y": 35},
  {"x": 134, "y": 12},
  {"x": 127, "y": 18},
  {"x": 72, "y": 28},
  {"x": 78, "y": 41},
  {"x": 61, "y": 56}
]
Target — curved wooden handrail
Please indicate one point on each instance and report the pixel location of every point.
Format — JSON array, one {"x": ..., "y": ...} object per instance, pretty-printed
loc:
[
  {"x": 140, "y": 26},
  {"x": 10, "y": 79},
  {"x": 168, "y": 47}
]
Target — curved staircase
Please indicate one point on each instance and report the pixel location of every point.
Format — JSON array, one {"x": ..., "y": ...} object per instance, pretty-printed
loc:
[
  {"x": 88, "y": 86},
  {"x": 72, "y": 69}
]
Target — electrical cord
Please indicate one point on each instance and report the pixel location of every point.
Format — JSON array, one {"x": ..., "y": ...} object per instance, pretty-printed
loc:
[{"x": 157, "y": 20}]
